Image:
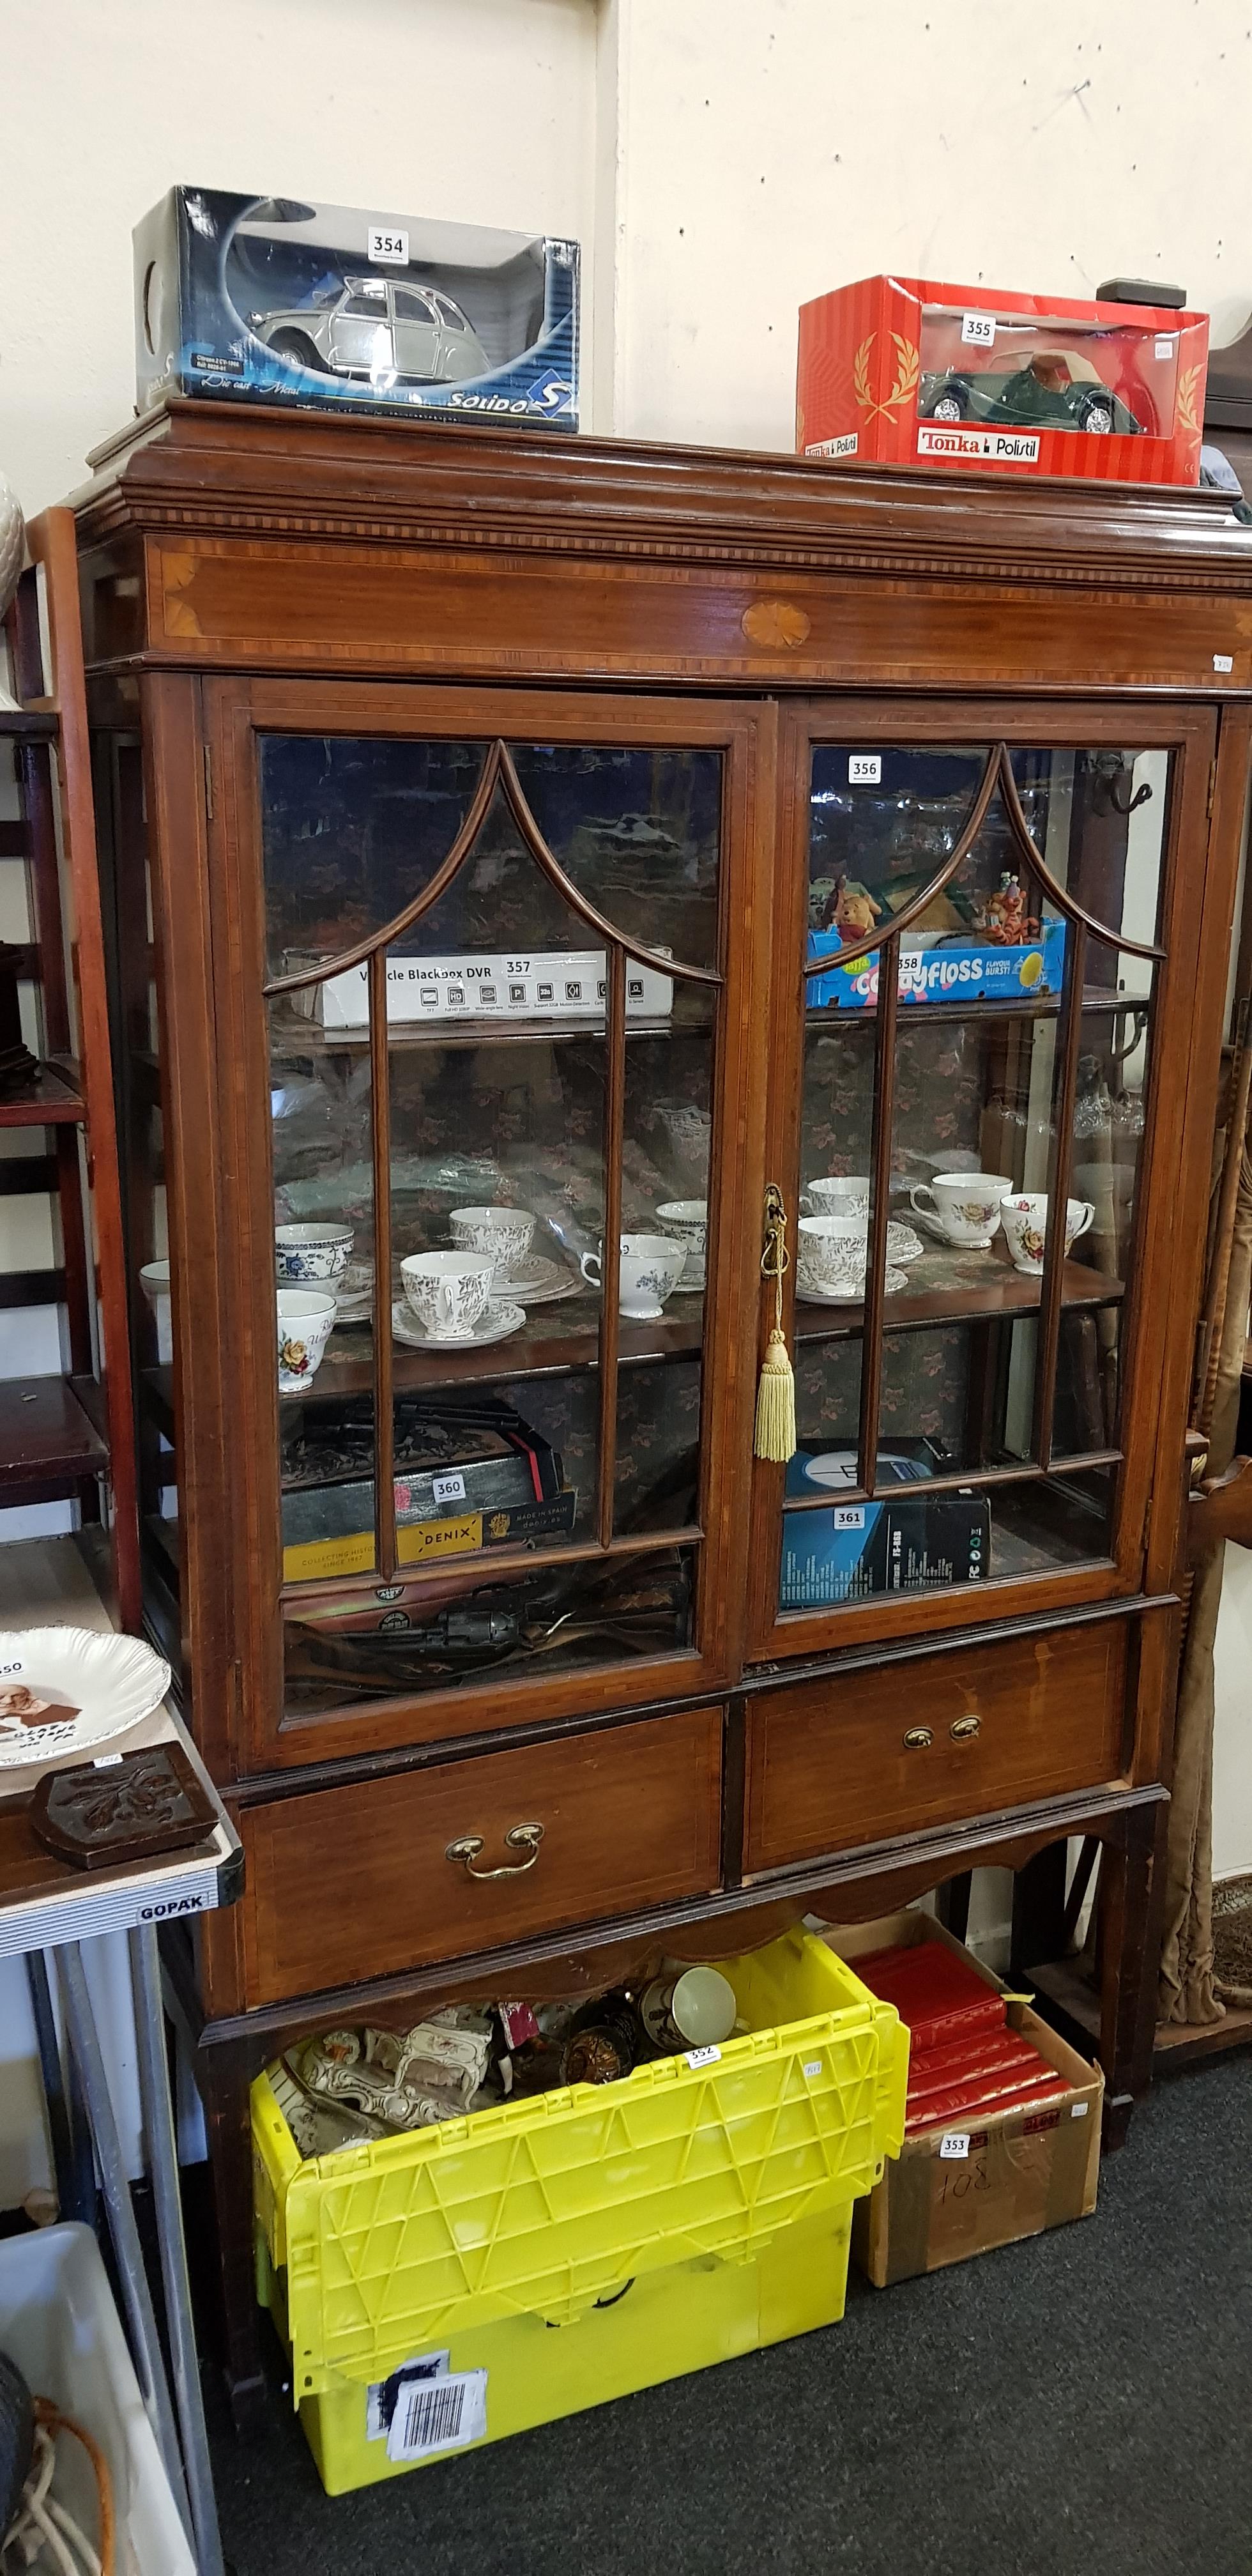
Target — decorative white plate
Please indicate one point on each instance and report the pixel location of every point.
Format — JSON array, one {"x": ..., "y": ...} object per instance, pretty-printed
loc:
[
  {"x": 355, "y": 1310},
  {"x": 85, "y": 1687},
  {"x": 543, "y": 1282},
  {"x": 496, "y": 1326},
  {"x": 895, "y": 1281}
]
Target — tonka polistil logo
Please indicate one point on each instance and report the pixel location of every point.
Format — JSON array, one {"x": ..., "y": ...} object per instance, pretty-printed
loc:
[{"x": 994, "y": 446}]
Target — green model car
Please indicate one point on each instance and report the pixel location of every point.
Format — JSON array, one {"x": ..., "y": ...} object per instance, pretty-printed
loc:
[{"x": 1056, "y": 389}]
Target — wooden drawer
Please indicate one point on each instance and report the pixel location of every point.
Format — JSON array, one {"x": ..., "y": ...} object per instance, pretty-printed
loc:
[
  {"x": 348, "y": 1884},
  {"x": 910, "y": 1744}
]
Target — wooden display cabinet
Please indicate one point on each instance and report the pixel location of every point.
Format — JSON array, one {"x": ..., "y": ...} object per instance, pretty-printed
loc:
[{"x": 574, "y": 717}]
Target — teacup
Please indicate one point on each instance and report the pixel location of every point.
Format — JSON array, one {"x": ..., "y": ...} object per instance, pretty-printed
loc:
[
  {"x": 965, "y": 1206},
  {"x": 154, "y": 1278},
  {"x": 1025, "y": 1221},
  {"x": 839, "y": 1197},
  {"x": 649, "y": 1269},
  {"x": 449, "y": 1292},
  {"x": 503, "y": 1232},
  {"x": 831, "y": 1256},
  {"x": 312, "y": 1255},
  {"x": 688, "y": 1221},
  {"x": 306, "y": 1318}
]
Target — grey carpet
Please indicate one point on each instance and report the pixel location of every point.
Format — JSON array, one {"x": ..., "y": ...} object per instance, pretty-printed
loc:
[{"x": 1079, "y": 2403}]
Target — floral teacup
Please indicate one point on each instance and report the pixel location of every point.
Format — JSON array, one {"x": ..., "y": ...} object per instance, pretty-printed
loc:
[
  {"x": 687, "y": 1220},
  {"x": 306, "y": 1318},
  {"x": 449, "y": 1292},
  {"x": 649, "y": 1269},
  {"x": 840, "y": 1197},
  {"x": 962, "y": 1206},
  {"x": 1025, "y": 1222},
  {"x": 311, "y": 1255},
  {"x": 504, "y": 1232}
]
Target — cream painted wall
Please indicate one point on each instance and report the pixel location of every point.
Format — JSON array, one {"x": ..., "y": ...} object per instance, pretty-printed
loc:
[
  {"x": 478, "y": 110},
  {"x": 767, "y": 152},
  {"x": 1232, "y": 1731}
]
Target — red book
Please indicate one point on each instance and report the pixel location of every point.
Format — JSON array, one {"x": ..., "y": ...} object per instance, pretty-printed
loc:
[
  {"x": 937, "y": 1994},
  {"x": 993, "y": 2053},
  {"x": 965, "y": 2105}
]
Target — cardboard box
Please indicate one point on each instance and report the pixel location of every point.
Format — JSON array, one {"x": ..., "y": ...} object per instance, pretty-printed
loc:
[
  {"x": 419, "y": 1542},
  {"x": 350, "y": 308},
  {"x": 956, "y": 2192},
  {"x": 908, "y": 371},
  {"x": 969, "y": 970}
]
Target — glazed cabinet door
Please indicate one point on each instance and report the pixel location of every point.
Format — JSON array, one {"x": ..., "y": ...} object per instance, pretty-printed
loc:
[
  {"x": 983, "y": 1013},
  {"x": 484, "y": 970}
]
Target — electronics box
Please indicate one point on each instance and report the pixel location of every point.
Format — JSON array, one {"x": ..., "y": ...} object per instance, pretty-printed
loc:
[
  {"x": 957, "y": 2192},
  {"x": 958, "y": 971},
  {"x": 560, "y": 984},
  {"x": 904, "y": 371},
  {"x": 349, "y": 308},
  {"x": 894, "y": 1544}
]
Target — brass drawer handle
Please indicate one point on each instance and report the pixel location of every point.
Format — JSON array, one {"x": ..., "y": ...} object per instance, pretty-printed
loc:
[
  {"x": 917, "y": 1739},
  {"x": 525, "y": 1838},
  {"x": 963, "y": 1728}
]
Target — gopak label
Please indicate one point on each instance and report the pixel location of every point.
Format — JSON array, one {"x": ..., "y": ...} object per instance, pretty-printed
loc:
[{"x": 990, "y": 446}]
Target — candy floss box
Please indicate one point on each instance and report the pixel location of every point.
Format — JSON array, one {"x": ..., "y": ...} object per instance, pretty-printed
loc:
[
  {"x": 961, "y": 971},
  {"x": 270, "y": 299},
  {"x": 904, "y": 371}
]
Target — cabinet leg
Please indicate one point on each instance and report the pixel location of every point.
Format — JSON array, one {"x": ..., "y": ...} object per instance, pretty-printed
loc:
[
  {"x": 1039, "y": 1909},
  {"x": 223, "y": 2075},
  {"x": 1127, "y": 1977}
]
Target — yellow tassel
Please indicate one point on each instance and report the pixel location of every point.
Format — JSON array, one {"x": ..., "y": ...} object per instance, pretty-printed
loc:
[{"x": 776, "y": 1403}]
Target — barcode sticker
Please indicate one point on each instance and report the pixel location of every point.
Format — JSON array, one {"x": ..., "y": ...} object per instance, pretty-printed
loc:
[
  {"x": 864, "y": 768},
  {"x": 980, "y": 328},
  {"x": 954, "y": 2146},
  {"x": 438, "y": 2415},
  {"x": 448, "y": 1489},
  {"x": 703, "y": 2056},
  {"x": 382, "y": 2396},
  {"x": 388, "y": 244}
]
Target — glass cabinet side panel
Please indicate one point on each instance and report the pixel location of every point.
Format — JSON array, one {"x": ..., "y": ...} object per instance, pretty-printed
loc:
[
  {"x": 1017, "y": 1072},
  {"x": 506, "y": 1435}
]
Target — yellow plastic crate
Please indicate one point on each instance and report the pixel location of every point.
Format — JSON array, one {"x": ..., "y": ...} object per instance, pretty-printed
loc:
[
  {"x": 666, "y": 2324},
  {"x": 543, "y": 2207}
]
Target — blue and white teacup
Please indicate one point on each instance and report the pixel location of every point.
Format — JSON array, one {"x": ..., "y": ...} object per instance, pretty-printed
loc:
[
  {"x": 308, "y": 1256},
  {"x": 649, "y": 1269}
]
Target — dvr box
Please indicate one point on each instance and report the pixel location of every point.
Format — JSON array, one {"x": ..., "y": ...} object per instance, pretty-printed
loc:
[
  {"x": 421, "y": 1541},
  {"x": 557, "y": 984},
  {"x": 348, "y": 308},
  {"x": 974, "y": 970},
  {"x": 853, "y": 1550}
]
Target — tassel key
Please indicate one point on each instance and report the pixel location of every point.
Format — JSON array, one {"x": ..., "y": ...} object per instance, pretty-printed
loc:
[{"x": 775, "y": 1433}]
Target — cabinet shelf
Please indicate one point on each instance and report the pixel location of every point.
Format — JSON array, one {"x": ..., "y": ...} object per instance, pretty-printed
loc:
[
  {"x": 1019, "y": 1006},
  {"x": 46, "y": 1434},
  {"x": 298, "y": 1037},
  {"x": 1004, "y": 1293},
  {"x": 29, "y": 724},
  {"x": 50, "y": 1097},
  {"x": 557, "y": 1344}
]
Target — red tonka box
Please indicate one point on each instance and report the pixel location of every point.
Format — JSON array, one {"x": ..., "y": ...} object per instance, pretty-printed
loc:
[{"x": 901, "y": 371}]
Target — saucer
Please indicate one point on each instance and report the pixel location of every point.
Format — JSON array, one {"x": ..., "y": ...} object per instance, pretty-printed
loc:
[
  {"x": 895, "y": 1281},
  {"x": 542, "y": 1284},
  {"x": 977, "y": 1243},
  {"x": 495, "y": 1326}
]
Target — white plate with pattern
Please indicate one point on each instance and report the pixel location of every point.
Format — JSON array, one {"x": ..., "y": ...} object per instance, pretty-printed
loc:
[
  {"x": 895, "y": 1281},
  {"x": 495, "y": 1326},
  {"x": 65, "y": 1689},
  {"x": 543, "y": 1283}
]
